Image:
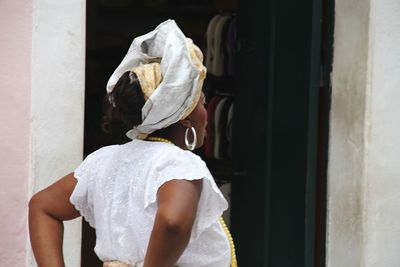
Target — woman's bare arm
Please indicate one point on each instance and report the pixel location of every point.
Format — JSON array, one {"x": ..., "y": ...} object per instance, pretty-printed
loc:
[
  {"x": 47, "y": 211},
  {"x": 177, "y": 208}
]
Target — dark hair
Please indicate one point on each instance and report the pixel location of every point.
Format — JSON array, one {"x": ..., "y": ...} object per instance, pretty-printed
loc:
[{"x": 124, "y": 103}]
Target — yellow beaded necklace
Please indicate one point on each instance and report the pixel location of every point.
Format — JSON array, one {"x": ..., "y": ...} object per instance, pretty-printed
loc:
[
  {"x": 221, "y": 220},
  {"x": 158, "y": 139}
]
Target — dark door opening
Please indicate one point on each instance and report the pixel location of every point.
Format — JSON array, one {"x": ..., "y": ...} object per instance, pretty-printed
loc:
[{"x": 277, "y": 166}]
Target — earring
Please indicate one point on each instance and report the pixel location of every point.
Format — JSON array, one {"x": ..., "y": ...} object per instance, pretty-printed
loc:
[{"x": 190, "y": 146}]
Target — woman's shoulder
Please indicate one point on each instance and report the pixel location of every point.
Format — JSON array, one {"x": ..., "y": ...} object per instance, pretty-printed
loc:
[
  {"x": 159, "y": 154},
  {"x": 95, "y": 160},
  {"x": 103, "y": 151},
  {"x": 172, "y": 153}
]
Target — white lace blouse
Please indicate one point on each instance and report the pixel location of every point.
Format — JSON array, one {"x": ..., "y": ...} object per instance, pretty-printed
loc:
[{"x": 117, "y": 194}]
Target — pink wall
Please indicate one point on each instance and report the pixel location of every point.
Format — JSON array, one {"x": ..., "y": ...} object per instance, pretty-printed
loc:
[{"x": 15, "y": 108}]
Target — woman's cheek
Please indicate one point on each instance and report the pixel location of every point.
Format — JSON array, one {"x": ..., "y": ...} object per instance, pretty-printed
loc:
[{"x": 205, "y": 116}]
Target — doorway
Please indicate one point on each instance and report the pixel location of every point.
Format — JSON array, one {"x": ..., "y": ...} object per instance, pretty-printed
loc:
[{"x": 275, "y": 158}]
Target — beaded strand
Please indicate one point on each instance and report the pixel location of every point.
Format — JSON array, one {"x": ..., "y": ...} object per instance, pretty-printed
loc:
[
  {"x": 231, "y": 244},
  {"x": 159, "y": 139}
]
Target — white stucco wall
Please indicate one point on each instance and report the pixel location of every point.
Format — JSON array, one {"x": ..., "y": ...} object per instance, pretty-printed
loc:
[
  {"x": 363, "y": 176},
  {"x": 58, "y": 69},
  {"x": 382, "y": 196}
]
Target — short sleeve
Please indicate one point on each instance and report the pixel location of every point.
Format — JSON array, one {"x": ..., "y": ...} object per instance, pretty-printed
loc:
[
  {"x": 82, "y": 196},
  {"x": 188, "y": 166}
]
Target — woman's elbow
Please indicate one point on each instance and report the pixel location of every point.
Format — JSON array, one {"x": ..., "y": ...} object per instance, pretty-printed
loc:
[
  {"x": 176, "y": 224},
  {"x": 36, "y": 204},
  {"x": 39, "y": 204}
]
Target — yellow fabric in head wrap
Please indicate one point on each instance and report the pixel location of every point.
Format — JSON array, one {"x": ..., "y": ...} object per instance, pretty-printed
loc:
[
  {"x": 197, "y": 59},
  {"x": 150, "y": 76}
]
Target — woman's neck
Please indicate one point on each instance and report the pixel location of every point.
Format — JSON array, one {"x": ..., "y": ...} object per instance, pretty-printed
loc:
[{"x": 176, "y": 135}]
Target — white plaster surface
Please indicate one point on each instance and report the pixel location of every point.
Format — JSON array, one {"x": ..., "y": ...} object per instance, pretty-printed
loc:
[
  {"x": 363, "y": 174},
  {"x": 15, "y": 104},
  {"x": 382, "y": 195},
  {"x": 58, "y": 69}
]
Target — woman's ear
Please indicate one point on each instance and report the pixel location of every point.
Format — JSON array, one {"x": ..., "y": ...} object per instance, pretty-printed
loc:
[{"x": 186, "y": 122}]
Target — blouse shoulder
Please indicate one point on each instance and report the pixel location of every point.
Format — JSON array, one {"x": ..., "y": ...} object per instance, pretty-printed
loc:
[
  {"x": 174, "y": 163},
  {"x": 171, "y": 155},
  {"x": 93, "y": 161},
  {"x": 85, "y": 174}
]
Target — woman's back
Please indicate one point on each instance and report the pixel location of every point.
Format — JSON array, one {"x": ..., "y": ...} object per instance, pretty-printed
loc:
[{"x": 117, "y": 194}]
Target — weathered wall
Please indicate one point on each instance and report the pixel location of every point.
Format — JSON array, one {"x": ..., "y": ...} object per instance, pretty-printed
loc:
[
  {"x": 363, "y": 195},
  {"x": 347, "y": 145},
  {"x": 58, "y": 69},
  {"x": 15, "y": 105}
]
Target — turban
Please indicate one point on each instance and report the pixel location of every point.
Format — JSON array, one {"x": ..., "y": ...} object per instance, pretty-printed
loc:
[{"x": 170, "y": 72}]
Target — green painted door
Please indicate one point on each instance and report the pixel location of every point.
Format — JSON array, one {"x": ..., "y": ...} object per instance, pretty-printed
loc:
[{"x": 276, "y": 132}]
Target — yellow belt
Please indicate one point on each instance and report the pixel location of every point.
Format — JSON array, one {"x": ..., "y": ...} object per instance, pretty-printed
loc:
[{"x": 115, "y": 264}]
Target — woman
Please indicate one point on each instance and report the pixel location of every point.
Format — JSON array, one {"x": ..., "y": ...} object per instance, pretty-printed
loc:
[{"x": 151, "y": 200}]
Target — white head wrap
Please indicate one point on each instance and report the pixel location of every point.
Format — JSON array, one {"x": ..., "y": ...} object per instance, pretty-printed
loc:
[{"x": 182, "y": 76}]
